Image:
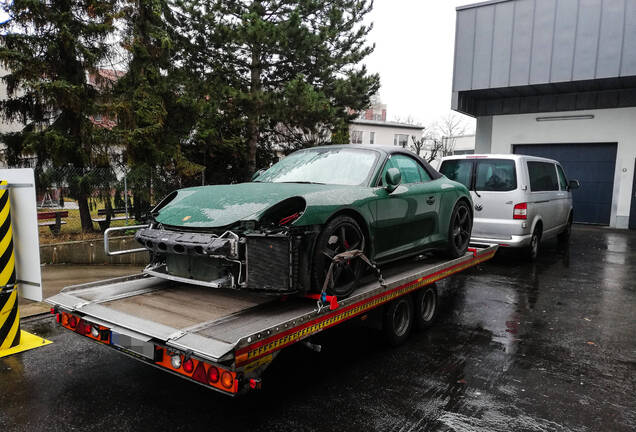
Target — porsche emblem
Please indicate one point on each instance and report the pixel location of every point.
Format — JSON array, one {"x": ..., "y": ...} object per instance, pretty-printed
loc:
[{"x": 186, "y": 218}]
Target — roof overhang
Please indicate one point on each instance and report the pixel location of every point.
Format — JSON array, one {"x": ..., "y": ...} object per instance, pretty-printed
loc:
[{"x": 619, "y": 92}]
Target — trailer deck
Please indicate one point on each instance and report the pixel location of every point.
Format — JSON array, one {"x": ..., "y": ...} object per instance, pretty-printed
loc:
[{"x": 237, "y": 331}]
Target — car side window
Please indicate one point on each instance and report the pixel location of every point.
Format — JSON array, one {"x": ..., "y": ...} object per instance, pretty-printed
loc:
[
  {"x": 543, "y": 176},
  {"x": 496, "y": 175},
  {"x": 459, "y": 170},
  {"x": 412, "y": 172},
  {"x": 424, "y": 175},
  {"x": 563, "y": 180}
]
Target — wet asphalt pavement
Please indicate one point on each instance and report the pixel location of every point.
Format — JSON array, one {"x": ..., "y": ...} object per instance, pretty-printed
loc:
[{"x": 549, "y": 346}]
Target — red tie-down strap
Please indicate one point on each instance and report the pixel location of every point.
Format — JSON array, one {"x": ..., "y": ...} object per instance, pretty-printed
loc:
[{"x": 332, "y": 300}]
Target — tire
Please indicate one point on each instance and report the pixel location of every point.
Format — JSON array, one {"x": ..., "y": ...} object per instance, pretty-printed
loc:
[
  {"x": 398, "y": 320},
  {"x": 459, "y": 229},
  {"x": 564, "y": 236},
  {"x": 426, "y": 306},
  {"x": 331, "y": 242},
  {"x": 532, "y": 251}
]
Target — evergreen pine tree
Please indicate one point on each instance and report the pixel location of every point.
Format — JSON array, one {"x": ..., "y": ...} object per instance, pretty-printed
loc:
[
  {"x": 154, "y": 116},
  {"x": 288, "y": 70},
  {"x": 49, "y": 48}
]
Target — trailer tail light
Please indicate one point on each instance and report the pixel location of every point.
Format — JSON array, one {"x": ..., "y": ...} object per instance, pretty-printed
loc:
[
  {"x": 175, "y": 361},
  {"x": 188, "y": 365},
  {"x": 83, "y": 328},
  {"x": 197, "y": 370},
  {"x": 227, "y": 380},
  {"x": 72, "y": 322},
  {"x": 213, "y": 375},
  {"x": 520, "y": 211}
]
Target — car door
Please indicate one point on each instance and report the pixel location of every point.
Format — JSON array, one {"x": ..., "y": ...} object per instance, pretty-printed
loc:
[
  {"x": 544, "y": 190},
  {"x": 406, "y": 218},
  {"x": 494, "y": 194},
  {"x": 565, "y": 197}
]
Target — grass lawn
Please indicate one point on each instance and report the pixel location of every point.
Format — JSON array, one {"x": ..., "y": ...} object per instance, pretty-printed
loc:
[{"x": 72, "y": 229}]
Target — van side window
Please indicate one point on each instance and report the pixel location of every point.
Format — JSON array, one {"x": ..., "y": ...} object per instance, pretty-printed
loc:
[
  {"x": 563, "y": 180},
  {"x": 543, "y": 176},
  {"x": 496, "y": 175},
  {"x": 459, "y": 170}
]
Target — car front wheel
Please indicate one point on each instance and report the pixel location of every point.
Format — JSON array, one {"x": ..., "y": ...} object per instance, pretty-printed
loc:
[{"x": 341, "y": 234}]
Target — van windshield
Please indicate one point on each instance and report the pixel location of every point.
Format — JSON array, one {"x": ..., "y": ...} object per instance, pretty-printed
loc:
[{"x": 493, "y": 175}]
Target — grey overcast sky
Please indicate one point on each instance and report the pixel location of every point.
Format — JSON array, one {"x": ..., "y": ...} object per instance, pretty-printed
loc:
[{"x": 414, "y": 45}]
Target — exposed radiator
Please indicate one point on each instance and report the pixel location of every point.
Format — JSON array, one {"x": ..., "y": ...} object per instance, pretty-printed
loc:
[{"x": 271, "y": 263}]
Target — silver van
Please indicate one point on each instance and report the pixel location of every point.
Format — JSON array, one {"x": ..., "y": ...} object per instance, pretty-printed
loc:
[{"x": 519, "y": 200}]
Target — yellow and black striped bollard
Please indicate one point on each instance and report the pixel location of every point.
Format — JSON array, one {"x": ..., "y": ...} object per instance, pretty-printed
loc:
[{"x": 9, "y": 314}]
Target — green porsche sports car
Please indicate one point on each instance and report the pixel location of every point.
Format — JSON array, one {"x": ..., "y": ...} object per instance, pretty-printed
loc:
[{"x": 280, "y": 233}]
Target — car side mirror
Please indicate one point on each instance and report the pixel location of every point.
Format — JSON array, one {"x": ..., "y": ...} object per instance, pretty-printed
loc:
[
  {"x": 257, "y": 174},
  {"x": 393, "y": 178},
  {"x": 574, "y": 184}
]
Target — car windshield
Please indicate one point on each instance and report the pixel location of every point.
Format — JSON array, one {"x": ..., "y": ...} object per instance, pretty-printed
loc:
[{"x": 338, "y": 166}]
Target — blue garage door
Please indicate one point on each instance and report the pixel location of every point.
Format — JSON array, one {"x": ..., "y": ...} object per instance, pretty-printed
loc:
[{"x": 591, "y": 164}]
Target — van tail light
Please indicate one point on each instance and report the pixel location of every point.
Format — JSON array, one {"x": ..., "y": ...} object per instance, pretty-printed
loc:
[{"x": 520, "y": 211}]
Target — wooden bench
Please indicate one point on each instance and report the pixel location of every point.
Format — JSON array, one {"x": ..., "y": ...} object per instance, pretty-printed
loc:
[
  {"x": 103, "y": 221},
  {"x": 53, "y": 220}
]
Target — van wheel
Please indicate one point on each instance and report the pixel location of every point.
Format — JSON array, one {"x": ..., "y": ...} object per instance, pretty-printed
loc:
[
  {"x": 564, "y": 236},
  {"x": 532, "y": 251},
  {"x": 426, "y": 306},
  {"x": 398, "y": 320}
]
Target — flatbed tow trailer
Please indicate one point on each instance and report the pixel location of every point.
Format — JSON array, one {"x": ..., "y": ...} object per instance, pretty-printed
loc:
[{"x": 225, "y": 339}]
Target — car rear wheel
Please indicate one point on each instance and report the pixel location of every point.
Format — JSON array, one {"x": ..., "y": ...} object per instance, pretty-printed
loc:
[
  {"x": 459, "y": 229},
  {"x": 339, "y": 235}
]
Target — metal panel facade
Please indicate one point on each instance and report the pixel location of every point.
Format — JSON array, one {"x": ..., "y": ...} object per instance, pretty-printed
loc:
[{"x": 528, "y": 42}]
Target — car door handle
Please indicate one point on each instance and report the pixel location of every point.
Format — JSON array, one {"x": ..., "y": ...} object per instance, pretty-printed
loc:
[{"x": 430, "y": 200}]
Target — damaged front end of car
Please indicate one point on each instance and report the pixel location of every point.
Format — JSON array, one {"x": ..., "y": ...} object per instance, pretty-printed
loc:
[{"x": 269, "y": 255}]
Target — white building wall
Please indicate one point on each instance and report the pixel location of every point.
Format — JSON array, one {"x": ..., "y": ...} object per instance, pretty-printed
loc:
[
  {"x": 464, "y": 143},
  {"x": 383, "y": 134},
  {"x": 5, "y": 126},
  {"x": 608, "y": 126}
]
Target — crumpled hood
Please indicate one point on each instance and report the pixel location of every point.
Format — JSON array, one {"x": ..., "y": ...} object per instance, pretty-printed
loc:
[{"x": 222, "y": 205}]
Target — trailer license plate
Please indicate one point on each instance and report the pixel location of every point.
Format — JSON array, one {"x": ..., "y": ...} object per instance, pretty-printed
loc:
[{"x": 132, "y": 345}]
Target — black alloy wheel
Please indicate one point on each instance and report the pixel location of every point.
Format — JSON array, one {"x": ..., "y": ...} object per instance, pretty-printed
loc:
[
  {"x": 340, "y": 235},
  {"x": 460, "y": 227}
]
